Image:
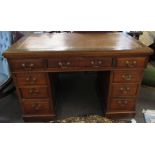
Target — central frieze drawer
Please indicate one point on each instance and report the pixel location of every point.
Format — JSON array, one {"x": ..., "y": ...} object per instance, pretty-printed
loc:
[
  {"x": 31, "y": 79},
  {"x": 34, "y": 92},
  {"x": 80, "y": 62},
  {"x": 124, "y": 90}
]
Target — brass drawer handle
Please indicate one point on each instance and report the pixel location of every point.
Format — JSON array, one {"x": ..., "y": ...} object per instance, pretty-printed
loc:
[
  {"x": 31, "y": 80},
  {"x": 24, "y": 65},
  {"x": 92, "y": 62},
  {"x": 127, "y": 88},
  {"x": 34, "y": 79},
  {"x": 99, "y": 62},
  {"x": 96, "y": 63},
  {"x": 131, "y": 63},
  {"x": 33, "y": 105},
  {"x": 64, "y": 65},
  {"x": 33, "y": 91},
  {"x": 124, "y": 89},
  {"x": 122, "y": 102},
  {"x": 30, "y": 66},
  {"x": 127, "y": 77},
  {"x": 125, "y": 102},
  {"x": 68, "y": 63},
  {"x": 27, "y": 79},
  {"x": 36, "y": 106},
  {"x": 60, "y": 63},
  {"x": 134, "y": 62}
]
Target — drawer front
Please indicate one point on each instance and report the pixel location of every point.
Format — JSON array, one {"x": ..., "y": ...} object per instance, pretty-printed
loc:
[
  {"x": 127, "y": 104},
  {"x": 124, "y": 90},
  {"x": 131, "y": 62},
  {"x": 31, "y": 79},
  {"x": 127, "y": 76},
  {"x": 63, "y": 63},
  {"x": 34, "y": 92},
  {"x": 96, "y": 62},
  {"x": 27, "y": 65},
  {"x": 34, "y": 107},
  {"x": 80, "y": 62}
]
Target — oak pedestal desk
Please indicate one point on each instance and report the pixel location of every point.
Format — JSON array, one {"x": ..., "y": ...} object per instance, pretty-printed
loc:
[{"x": 33, "y": 57}]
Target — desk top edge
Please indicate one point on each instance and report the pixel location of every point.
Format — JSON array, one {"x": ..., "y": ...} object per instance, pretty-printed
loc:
[{"x": 74, "y": 42}]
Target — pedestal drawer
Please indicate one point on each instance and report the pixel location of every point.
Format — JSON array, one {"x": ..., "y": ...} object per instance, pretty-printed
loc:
[
  {"x": 34, "y": 92},
  {"x": 36, "y": 107},
  {"x": 118, "y": 104},
  {"x": 31, "y": 79},
  {"x": 127, "y": 76},
  {"x": 124, "y": 90}
]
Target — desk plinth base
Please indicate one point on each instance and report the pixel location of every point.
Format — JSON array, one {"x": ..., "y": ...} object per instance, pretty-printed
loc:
[
  {"x": 38, "y": 118},
  {"x": 120, "y": 115}
]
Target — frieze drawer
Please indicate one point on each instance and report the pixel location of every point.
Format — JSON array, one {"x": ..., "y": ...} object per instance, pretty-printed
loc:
[
  {"x": 27, "y": 65},
  {"x": 131, "y": 62}
]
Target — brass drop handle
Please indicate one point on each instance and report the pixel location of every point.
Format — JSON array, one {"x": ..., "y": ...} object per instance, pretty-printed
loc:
[
  {"x": 36, "y": 107},
  {"x": 33, "y": 91},
  {"x": 127, "y": 62},
  {"x": 127, "y": 77},
  {"x": 30, "y": 79},
  {"x": 124, "y": 89},
  {"x": 121, "y": 89},
  {"x": 27, "y": 79},
  {"x": 134, "y": 62},
  {"x": 31, "y": 66},
  {"x": 24, "y": 65},
  {"x": 92, "y": 62},
  {"x": 60, "y": 64},
  {"x": 36, "y": 91},
  {"x": 68, "y": 63},
  {"x": 33, "y": 105},
  {"x": 34, "y": 79},
  {"x": 131, "y": 63},
  {"x": 119, "y": 101},
  {"x": 99, "y": 62},
  {"x": 123, "y": 102},
  {"x": 127, "y": 88}
]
